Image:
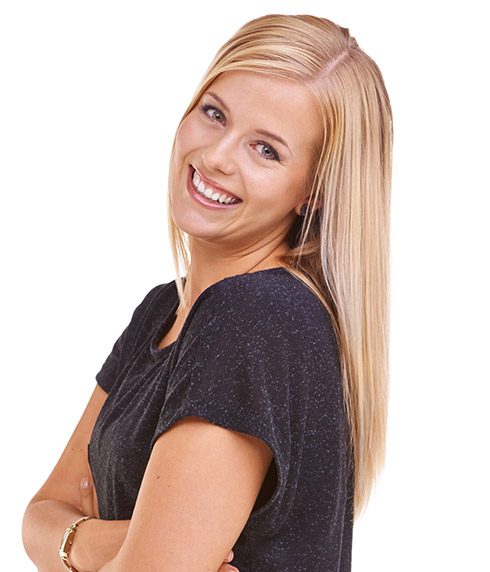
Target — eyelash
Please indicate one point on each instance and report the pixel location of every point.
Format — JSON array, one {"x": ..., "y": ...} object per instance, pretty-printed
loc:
[{"x": 205, "y": 107}]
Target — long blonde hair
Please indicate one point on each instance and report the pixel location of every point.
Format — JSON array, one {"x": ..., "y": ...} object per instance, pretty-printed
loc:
[{"x": 340, "y": 249}]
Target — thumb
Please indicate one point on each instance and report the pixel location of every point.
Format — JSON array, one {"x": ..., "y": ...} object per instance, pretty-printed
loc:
[{"x": 86, "y": 496}]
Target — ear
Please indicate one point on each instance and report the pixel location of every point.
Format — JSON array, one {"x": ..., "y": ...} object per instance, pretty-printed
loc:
[
  {"x": 302, "y": 204},
  {"x": 305, "y": 203}
]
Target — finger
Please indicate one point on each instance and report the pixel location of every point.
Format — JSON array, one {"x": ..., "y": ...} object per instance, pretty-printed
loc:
[
  {"x": 95, "y": 503},
  {"x": 227, "y": 568},
  {"x": 86, "y": 496},
  {"x": 229, "y": 557}
]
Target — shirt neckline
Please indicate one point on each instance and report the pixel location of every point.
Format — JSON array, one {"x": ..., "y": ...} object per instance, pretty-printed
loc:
[{"x": 164, "y": 324}]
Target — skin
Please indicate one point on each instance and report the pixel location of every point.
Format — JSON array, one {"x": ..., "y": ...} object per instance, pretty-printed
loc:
[
  {"x": 193, "y": 503},
  {"x": 183, "y": 502},
  {"x": 61, "y": 500},
  {"x": 88, "y": 504},
  {"x": 57, "y": 503},
  {"x": 223, "y": 146}
]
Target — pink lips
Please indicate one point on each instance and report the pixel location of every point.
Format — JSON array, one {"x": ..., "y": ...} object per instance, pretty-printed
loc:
[{"x": 203, "y": 200}]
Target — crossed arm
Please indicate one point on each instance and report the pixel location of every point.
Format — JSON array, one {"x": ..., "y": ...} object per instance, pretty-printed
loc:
[{"x": 197, "y": 493}]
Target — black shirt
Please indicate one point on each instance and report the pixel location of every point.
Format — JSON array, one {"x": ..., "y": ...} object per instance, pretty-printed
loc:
[{"x": 256, "y": 354}]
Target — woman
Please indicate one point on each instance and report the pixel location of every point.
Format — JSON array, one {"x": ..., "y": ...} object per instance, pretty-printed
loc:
[{"x": 243, "y": 408}]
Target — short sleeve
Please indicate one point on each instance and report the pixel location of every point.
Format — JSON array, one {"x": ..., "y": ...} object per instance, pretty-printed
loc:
[
  {"x": 108, "y": 373},
  {"x": 240, "y": 367}
]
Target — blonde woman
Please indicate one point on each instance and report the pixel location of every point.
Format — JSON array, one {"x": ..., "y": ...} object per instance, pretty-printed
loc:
[{"x": 242, "y": 412}]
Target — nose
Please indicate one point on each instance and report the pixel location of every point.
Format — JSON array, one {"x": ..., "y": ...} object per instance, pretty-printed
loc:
[{"x": 220, "y": 156}]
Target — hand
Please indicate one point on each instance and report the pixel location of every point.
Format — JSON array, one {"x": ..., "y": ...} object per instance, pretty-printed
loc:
[
  {"x": 88, "y": 500},
  {"x": 97, "y": 541},
  {"x": 224, "y": 567},
  {"x": 88, "y": 505}
]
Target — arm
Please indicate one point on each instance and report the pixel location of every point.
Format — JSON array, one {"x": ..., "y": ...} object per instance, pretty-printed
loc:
[
  {"x": 45, "y": 521},
  {"x": 57, "y": 503},
  {"x": 199, "y": 489}
]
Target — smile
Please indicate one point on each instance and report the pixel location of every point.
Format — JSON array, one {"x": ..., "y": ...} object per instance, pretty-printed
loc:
[{"x": 206, "y": 195}]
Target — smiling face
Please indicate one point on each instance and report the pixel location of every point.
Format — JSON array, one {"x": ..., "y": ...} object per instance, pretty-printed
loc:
[{"x": 251, "y": 138}]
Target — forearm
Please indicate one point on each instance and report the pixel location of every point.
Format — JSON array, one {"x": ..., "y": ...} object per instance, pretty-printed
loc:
[
  {"x": 43, "y": 526},
  {"x": 96, "y": 542}
]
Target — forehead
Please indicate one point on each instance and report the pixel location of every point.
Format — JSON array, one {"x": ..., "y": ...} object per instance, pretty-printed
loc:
[{"x": 282, "y": 106}]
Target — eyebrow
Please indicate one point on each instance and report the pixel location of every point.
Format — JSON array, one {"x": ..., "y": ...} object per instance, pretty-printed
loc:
[{"x": 261, "y": 131}]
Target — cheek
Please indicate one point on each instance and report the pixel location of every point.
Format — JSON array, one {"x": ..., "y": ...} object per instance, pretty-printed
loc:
[
  {"x": 277, "y": 194},
  {"x": 188, "y": 134}
]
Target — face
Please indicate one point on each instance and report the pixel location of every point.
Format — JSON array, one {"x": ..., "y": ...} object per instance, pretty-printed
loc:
[{"x": 251, "y": 139}]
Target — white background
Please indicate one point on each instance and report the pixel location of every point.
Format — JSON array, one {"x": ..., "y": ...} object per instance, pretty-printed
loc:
[{"x": 91, "y": 94}]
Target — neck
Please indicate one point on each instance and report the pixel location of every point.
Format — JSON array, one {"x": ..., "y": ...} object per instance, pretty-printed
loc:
[{"x": 208, "y": 267}]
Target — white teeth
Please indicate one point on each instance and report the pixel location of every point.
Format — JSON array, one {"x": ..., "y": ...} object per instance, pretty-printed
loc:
[{"x": 222, "y": 198}]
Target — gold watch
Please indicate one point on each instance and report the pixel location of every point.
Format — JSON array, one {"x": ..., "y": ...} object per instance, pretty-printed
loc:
[{"x": 67, "y": 542}]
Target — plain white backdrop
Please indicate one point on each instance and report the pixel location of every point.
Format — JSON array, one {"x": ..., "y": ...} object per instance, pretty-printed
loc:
[{"x": 90, "y": 97}]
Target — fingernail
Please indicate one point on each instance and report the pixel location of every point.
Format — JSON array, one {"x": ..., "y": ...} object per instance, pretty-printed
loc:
[{"x": 85, "y": 483}]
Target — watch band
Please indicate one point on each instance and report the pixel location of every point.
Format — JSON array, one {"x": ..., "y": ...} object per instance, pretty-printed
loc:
[{"x": 67, "y": 542}]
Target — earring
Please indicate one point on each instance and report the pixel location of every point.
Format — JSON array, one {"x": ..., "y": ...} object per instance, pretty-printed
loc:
[{"x": 304, "y": 207}]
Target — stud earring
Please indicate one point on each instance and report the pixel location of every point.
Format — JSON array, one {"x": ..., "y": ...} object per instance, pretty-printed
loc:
[{"x": 304, "y": 207}]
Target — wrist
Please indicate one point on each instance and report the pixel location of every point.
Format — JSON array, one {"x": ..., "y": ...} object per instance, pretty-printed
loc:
[
  {"x": 80, "y": 553},
  {"x": 67, "y": 542},
  {"x": 97, "y": 542}
]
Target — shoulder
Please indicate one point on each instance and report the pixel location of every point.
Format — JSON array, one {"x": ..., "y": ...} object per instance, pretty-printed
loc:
[
  {"x": 157, "y": 295},
  {"x": 160, "y": 291},
  {"x": 272, "y": 299},
  {"x": 272, "y": 287},
  {"x": 155, "y": 302}
]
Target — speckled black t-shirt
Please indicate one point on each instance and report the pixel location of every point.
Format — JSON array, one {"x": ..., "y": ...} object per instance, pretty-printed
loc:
[{"x": 257, "y": 354}]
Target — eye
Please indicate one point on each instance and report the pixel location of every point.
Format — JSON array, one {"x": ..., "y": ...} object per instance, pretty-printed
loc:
[
  {"x": 218, "y": 115},
  {"x": 205, "y": 107},
  {"x": 271, "y": 155}
]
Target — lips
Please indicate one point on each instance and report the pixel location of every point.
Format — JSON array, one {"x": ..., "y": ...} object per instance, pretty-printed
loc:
[
  {"x": 202, "y": 200},
  {"x": 212, "y": 184}
]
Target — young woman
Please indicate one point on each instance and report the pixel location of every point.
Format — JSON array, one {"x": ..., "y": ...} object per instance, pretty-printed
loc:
[{"x": 244, "y": 406}]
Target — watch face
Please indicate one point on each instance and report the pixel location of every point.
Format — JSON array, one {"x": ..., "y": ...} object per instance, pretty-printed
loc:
[{"x": 67, "y": 541}]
